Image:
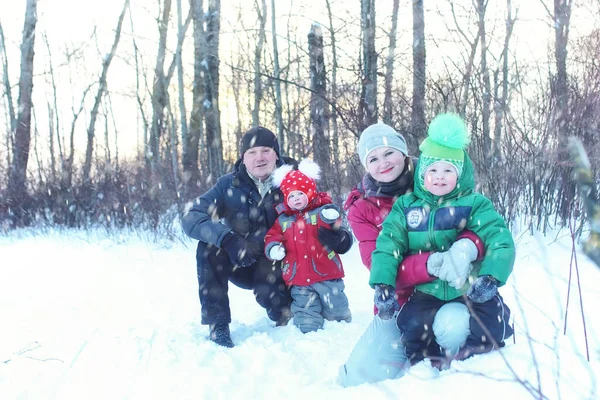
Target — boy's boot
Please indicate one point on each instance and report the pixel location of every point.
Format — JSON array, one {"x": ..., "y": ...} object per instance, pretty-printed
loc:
[{"x": 219, "y": 333}]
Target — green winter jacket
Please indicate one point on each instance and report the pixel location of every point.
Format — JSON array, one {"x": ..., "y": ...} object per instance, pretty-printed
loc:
[{"x": 420, "y": 221}]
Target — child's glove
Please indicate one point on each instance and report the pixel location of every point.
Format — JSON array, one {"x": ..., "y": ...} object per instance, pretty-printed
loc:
[
  {"x": 456, "y": 265},
  {"x": 337, "y": 240},
  {"x": 330, "y": 215},
  {"x": 277, "y": 253},
  {"x": 385, "y": 301},
  {"x": 483, "y": 289}
]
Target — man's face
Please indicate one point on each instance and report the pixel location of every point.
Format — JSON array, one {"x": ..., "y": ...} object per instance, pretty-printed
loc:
[{"x": 260, "y": 161}]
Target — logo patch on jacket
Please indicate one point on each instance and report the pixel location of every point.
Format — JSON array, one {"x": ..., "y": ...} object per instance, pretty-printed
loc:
[{"x": 415, "y": 217}]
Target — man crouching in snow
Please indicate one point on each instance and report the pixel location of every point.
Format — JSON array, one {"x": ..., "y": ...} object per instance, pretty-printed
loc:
[{"x": 230, "y": 222}]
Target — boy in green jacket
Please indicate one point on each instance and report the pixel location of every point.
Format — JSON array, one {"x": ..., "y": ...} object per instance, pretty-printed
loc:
[{"x": 442, "y": 205}]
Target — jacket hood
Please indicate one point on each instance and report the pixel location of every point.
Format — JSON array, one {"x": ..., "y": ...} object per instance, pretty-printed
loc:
[{"x": 465, "y": 184}]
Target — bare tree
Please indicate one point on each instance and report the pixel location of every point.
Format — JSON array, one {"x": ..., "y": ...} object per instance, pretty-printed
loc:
[
  {"x": 260, "y": 42},
  {"x": 212, "y": 115},
  {"x": 418, "y": 124},
  {"x": 389, "y": 67},
  {"x": 500, "y": 104},
  {"x": 485, "y": 76},
  {"x": 318, "y": 105},
  {"x": 191, "y": 172},
  {"x": 87, "y": 166},
  {"x": 53, "y": 117},
  {"x": 17, "y": 193},
  {"x": 159, "y": 90},
  {"x": 368, "y": 98},
  {"x": 180, "y": 85},
  {"x": 277, "y": 73},
  {"x": 7, "y": 87},
  {"x": 334, "y": 117}
]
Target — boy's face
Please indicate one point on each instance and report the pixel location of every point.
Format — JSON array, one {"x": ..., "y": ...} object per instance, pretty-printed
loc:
[
  {"x": 385, "y": 164},
  {"x": 297, "y": 200},
  {"x": 440, "y": 178}
]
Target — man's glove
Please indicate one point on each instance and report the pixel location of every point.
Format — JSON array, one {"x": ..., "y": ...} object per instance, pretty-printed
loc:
[
  {"x": 277, "y": 253},
  {"x": 239, "y": 250},
  {"x": 483, "y": 289},
  {"x": 385, "y": 301},
  {"x": 337, "y": 240},
  {"x": 456, "y": 263}
]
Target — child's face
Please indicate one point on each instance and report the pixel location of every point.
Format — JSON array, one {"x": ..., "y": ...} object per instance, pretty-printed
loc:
[
  {"x": 297, "y": 200},
  {"x": 440, "y": 178},
  {"x": 385, "y": 164}
]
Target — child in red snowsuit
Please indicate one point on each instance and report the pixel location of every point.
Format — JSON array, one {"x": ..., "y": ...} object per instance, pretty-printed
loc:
[{"x": 308, "y": 237}]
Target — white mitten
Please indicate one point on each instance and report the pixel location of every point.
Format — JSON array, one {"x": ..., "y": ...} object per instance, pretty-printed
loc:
[
  {"x": 456, "y": 265},
  {"x": 434, "y": 263},
  {"x": 277, "y": 253},
  {"x": 330, "y": 215}
]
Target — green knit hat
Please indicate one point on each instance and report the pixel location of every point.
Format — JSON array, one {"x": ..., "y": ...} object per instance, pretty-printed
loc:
[{"x": 447, "y": 137}]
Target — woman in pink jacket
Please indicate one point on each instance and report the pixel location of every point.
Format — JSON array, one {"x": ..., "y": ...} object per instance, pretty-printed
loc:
[
  {"x": 379, "y": 353},
  {"x": 389, "y": 175}
]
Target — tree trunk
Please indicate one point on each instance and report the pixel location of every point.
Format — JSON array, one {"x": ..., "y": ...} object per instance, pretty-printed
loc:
[
  {"x": 318, "y": 111},
  {"x": 7, "y": 86},
  {"x": 418, "y": 124},
  {"x": 87, "y": 166},
  {"x": 258, "y": 91},
  {"x": 276, "y": 80},
  {"x": 501, "y": 101},
  {"x": 389, "y": 67},
  {"x": 180, "y": 85},
  {"x": 214, "y": 145},
  {"x": 335, "y": 170},
  {"x": 17, "y": 193},
  {"x": 159, "y": 90},
  {"x": 487, "y": 87},
  {"x": 191, "y": 172},
  {"x": 562, "y": 16},
  {"x": 368, "y": 99}
]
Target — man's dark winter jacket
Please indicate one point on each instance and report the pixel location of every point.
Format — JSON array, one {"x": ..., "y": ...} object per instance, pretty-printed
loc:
[{"x": 233, "y": 204}]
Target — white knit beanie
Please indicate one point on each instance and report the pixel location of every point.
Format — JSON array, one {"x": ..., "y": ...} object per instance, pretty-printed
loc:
[{"x": 379, "y": 135}]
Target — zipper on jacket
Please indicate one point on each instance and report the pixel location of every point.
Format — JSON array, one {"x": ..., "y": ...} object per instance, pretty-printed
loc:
[{"x": 430, "y": 227}]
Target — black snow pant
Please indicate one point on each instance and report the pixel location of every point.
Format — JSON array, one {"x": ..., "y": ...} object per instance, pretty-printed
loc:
[
  {"x": 215, "y": 271},
  {"x": 415, "y": 321}
]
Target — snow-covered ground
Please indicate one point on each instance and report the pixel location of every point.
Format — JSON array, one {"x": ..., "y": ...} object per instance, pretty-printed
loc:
[{"x": 90, "y": 316}]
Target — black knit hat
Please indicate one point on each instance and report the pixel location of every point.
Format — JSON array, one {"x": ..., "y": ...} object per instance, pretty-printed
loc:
[{"x": 258, "y": 136}]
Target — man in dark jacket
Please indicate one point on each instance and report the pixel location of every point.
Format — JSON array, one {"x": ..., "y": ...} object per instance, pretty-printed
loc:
[{"x": 230, "y": 222}]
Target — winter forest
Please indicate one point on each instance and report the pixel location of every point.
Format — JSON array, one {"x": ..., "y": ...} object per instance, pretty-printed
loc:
[
  {"x": 116, "y": 114},
  {"x": 119, "y": 113}
]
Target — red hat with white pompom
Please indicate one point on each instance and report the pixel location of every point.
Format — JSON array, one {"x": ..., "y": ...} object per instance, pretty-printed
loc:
[{"x": 302, "y": 179}]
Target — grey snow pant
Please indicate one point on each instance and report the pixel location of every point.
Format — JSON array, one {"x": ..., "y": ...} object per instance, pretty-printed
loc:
[{"x": 313, "y": 304}]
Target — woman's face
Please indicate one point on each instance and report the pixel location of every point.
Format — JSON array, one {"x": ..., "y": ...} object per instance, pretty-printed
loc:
[{"x": 385, "y": 164}]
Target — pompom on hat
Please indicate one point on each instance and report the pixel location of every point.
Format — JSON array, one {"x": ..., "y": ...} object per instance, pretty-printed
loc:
[
  {"x": 379, "y": 135},
  {"x": 447, "y": 138},
  {"x": 303, "y": 179}
]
